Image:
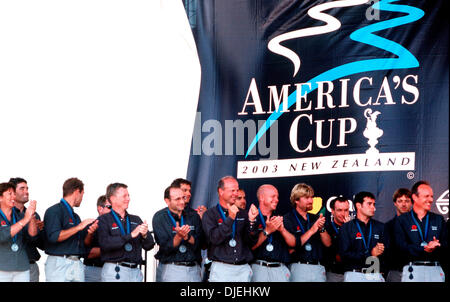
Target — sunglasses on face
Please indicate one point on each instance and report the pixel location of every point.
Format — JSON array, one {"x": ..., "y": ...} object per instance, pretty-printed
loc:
[{"x": 108, "y": 206}]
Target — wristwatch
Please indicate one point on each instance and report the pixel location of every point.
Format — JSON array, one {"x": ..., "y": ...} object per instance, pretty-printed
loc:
[{"x": 265, "y": 233}]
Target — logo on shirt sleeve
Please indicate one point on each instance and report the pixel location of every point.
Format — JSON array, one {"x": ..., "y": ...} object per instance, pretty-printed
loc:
[{"x": 70, "y": 221}]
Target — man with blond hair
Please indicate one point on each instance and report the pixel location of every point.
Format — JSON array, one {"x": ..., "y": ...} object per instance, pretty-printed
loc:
[{"x": 310, "y": 236}]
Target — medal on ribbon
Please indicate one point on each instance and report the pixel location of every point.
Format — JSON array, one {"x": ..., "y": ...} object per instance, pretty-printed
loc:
[
  {"x": 232, "y": 241},
  {"x": 128, "y": 246},
  {"x": 365, "y": 243},
  {"x": 423, "y": 237},
  {"x": 14, "y": 245},
  {"x": 182, "y": 248},
  {"x": 308, "y": 246},
  {"x": 269, "y": 246}
]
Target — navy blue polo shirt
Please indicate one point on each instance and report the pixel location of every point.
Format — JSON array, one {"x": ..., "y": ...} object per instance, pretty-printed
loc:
[
  {"x": 112, "y": 242},
  {"x": 164, "y": 232},
  {"x": 280, "y": 252},
  {"x": 351, "y": 244},
  {"x": 301, "y": 254},
  {"x": 218, "y": 233},
  {"x": 332, "y": 259},
  {"x": 394, "y": 257},
  {"x": 56, "y": 219},
  {"x": 408, "y": 237}
]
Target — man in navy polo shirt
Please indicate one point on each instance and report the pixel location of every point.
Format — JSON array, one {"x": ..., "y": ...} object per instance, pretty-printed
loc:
[
  {"x": 178, "y": 234},
  {"x": 362, "y": 242},
  {"x": 64, "y": 233},
  {"x": 422, "y": 236},
  {"x": 122, "y": 237},
  {"x": 310, "y": 236},
  {"x": 271, "y": 251},
  {"x": 230, "y": 233}
]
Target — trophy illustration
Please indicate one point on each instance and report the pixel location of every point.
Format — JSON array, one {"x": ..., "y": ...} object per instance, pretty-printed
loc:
[{"x": 372, "y": 132}]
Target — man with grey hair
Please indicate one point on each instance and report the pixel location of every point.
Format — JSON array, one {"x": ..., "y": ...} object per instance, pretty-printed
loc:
[
  {"x": 230, "y": 232},
  {"x": 271, "y": 251},
  {"x": 310, "y": 235},
  {"x": 421, "y": 236}
]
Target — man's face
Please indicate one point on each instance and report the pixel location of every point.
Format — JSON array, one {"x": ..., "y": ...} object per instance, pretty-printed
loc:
[
  {"x": 8, "y": 197},
  {"x": 241, "y": 202},
  {"x": 305, "y": 203},
  {"x": 403, "y": 204},
  {"x": 186, "y": 189},
  {"x": 341, "y": 210},
  {"x": 176, "y": 203},
  {"x": 105, "y": 209},
  {"x": 120, "y": 199},
  {"x": 230, "y": 191},
  {"x": 78, "y": 198},
  {"x": 269, "y": 198},
  {"x": 367, "y": 208},
  {"x": 22, "y": 194},
  {"x": 424, "y": 197}
]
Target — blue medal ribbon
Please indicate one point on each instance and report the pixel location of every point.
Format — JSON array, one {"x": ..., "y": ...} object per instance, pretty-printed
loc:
[
  {"x": 69, "y": 209},
  {"x": 14, "y": 220},
  {"x": 119, "y": 223},
  {"x": 173, "y": 219},
  {"x": 424, "y": 238},
  {"x": 366, "y": 244},
  {"x": 299, "y": 223},
  {"x": 74, "y": 220},
  {"x": 269, "y": 238},
  {"x": 223, "y": 217},
  {"x": 334, "y": 227},
  {"x": 175, "y": 223}
]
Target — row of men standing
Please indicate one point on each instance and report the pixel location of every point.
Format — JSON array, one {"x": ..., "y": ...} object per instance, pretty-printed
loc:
[
  {"x": 242, "y": 245},
  {"x": 256, "y": 245},
  {"x": 117, "y": 238}
]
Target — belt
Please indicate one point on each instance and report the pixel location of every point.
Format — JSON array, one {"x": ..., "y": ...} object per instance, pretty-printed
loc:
[
  {"x": 268, "y": 264},
  {"x": 94, "y": 264},
  {"x": 309, "y": 262},
  {"x": 233, "y": 263},
  {"x": 426, "y": 263},
  {"x": 183, "y": 263},
  {"x": 127, "y": 264},
  {"x": 359, "y": 270},
  {"x": 32, "y": 261},
  {"x": 70, "y": 257}
]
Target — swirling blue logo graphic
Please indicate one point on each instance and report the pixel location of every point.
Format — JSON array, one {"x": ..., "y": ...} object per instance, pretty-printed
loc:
[{"x": 364, "y": 35}]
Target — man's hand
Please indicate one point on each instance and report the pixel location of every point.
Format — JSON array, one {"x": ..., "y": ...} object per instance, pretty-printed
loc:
[
  {"x": 93, "y": 227},
  {"x": 29, "y": 213},
  {"x": 320, "y": 222},
  {"x": 271, "y": 224},
  {"x": 378, "y": 249},
  {"x": 201, "y": 210},
  {"x": 232, "y": 211},
  {"x": 252, "y": 212},
  {"x": 429, "y": 248},
  {"x": 183, "y": 231},
  {"x": 85, "y": 223}
]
